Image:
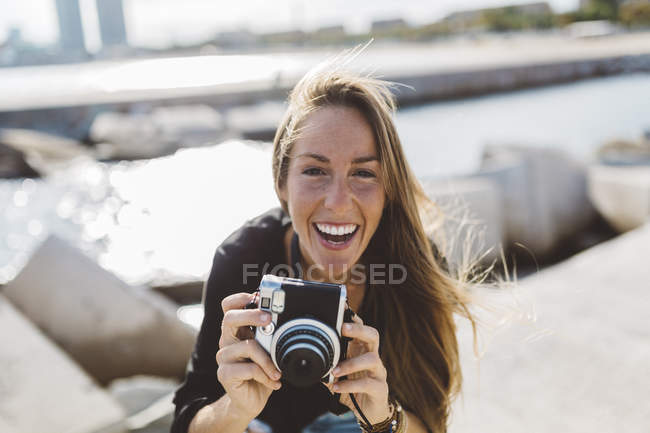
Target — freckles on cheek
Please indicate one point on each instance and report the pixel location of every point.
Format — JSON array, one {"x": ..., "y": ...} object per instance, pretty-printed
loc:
[
  {"x": 372, "y": 198},
  {"x": 306, "y": 189},
  {"x": 368, "y": 191}
]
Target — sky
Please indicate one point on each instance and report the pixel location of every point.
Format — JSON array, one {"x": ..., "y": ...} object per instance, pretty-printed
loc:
[{"x": 160, "y": 23}]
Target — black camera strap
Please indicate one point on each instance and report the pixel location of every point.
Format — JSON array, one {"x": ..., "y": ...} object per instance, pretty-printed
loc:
[{"x": 295, "y": 256}]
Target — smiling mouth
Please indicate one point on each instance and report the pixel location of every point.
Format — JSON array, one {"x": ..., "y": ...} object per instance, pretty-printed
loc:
[{"x": 336, "y": 239}]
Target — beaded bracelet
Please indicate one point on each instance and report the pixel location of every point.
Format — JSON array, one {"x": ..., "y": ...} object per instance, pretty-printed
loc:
[{"x": 395, "y": 423}]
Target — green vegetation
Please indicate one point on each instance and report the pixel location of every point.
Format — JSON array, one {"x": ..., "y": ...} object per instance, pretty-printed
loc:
[
  {"x": 635, "y": 14},
  {"x": 512, "y": 18},
  {"x": 596, "y": 10},
  {"x": 631, "y": 14}
]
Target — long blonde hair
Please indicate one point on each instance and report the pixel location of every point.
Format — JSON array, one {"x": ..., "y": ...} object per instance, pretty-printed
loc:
[{"x": 415, "y": 318}]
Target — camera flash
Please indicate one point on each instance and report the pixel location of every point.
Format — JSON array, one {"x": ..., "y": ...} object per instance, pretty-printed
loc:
[{"x": 278, "y": 301}]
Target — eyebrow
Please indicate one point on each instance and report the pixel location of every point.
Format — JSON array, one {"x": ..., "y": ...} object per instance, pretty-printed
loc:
[{"x": 324, "y": 159}]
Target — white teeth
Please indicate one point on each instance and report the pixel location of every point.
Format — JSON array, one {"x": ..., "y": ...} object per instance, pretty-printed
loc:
[{"x": 337, "y": 230}]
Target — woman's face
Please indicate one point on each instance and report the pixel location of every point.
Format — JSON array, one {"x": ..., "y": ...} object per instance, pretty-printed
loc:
[{"x": 334, "y": 190}]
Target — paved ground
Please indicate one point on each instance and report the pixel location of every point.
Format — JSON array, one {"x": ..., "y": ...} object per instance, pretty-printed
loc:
[{"x": 573, "y": 351}]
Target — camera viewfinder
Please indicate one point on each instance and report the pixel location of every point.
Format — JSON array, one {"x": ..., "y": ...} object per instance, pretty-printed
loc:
[{"x": 278, "y": 301}]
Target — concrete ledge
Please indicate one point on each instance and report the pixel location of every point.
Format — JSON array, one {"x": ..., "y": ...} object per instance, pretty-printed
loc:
[
  {"x": 535, "y": 214},
  {"x": 475, "y": 225},
  {"x": 621, "y": 194},
  {"x": 571, "y": 352},
  {"x": 42, "y": 389},
  {"x": 111, "y": 329}
]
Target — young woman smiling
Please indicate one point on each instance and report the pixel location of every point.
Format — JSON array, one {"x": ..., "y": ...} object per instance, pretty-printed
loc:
[{"x": 350, "y": 202}]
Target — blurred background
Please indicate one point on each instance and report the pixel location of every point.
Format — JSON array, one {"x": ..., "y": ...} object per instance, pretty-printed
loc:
[{"x": 135, "y": 136}]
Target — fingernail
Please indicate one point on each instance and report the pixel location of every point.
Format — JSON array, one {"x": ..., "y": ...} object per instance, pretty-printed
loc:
[
  {"x": 277, "y": 375},
  {"x": 336, "y": 371},
  {"x": 264, "y": 317},
  {"x": 347, "y": 326},
  {"x": 335, "y": 387}
]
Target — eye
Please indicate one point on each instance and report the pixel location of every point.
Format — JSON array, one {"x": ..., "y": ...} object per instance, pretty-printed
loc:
[
  {"x": 314, "y": 171},
  {"x": 364, "y": 173}
]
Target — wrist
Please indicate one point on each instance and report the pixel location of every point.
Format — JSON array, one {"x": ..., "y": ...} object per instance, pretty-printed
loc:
[
  {"x": 237, "y": 413},
  {"x": 382, "y": 414},
  {"x": 394, "y": 422},
  {"x": 222, "y": 415}
]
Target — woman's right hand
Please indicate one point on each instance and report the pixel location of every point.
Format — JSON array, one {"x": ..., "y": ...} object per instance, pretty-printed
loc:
[{"x": 246, "y": 370}]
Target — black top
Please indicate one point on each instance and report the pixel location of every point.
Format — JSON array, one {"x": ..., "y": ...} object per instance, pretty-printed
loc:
[{"x": 255, "y": 249}]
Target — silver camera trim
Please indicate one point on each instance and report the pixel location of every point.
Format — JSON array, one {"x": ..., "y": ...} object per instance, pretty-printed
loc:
[{"x": 333, "y": 336}]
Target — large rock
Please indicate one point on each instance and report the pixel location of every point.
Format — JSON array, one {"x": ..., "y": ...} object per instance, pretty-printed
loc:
[
  {"x": 621, "y": 194},
  {"x": 473, "y": 227},
  {"x": 43, "y": 152},
  {"x": 572, "y": 352},
  {"x": 161, "y": 132},
  {"x": 148, "y": 401},
  {"x": 544, "y": 195},
  {"x": 112, "y": 329},
  {"x": 129, "y": 136},
  {"x": 190, "y": 125},
  {"x": 256, "y": 122},
  {"x": 42, "y": 389},
  {"x": 13, "y": 164}
]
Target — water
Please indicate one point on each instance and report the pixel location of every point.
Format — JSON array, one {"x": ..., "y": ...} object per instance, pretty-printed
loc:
[
  {"x": 447, "y": 138},
  {"x": 144, "y": 220}
]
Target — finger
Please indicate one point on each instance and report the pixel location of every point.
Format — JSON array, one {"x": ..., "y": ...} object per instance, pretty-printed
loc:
[
  {"x": 357, "y": 319},
  {"x": 328, "y": 386},
  {"x": 364, "y": 385},
  {"x": 236, "y": 302},
  {"x": 243, "y": 371},
  {"x": 369, "y": 361},
  {"x": 248, "y": 350},
  {"x": 235, "y": 319},
  {"x": 367, "y": 334}
]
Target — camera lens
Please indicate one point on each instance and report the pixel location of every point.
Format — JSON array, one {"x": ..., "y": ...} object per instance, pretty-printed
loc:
[{"x": 304, "y": 354}]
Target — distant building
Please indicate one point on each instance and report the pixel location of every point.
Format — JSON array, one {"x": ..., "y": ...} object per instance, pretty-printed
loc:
[
  {"x": 71, "y": 34},
  {"x": 236, "y": 39},
  {"x": 330, "y": 31},
  {"x": 380, "y": 26},
  {"x": 463, "y": 20},
  {"x": 291, "y": 36},
  {"x": 9, "y": 47},
  {"x": 111, "y": 23}
]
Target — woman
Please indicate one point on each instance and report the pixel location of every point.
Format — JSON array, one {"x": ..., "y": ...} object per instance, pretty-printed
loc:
[{"x": 349, "y": 202}]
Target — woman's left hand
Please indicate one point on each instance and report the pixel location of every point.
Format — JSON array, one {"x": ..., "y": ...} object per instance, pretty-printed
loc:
[{"x": 366, "y": 374}]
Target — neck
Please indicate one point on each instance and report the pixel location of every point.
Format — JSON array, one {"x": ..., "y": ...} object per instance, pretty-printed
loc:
[
  {"x": 313, "y": 272},
  {"x": 355, "y": 290}
]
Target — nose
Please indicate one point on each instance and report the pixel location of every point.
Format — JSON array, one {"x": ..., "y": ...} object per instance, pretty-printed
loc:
[{"x": 338, "y": 198}]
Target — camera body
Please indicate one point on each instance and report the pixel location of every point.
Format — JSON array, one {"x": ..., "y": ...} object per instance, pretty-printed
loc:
[{"x": 304, "y": 337}]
